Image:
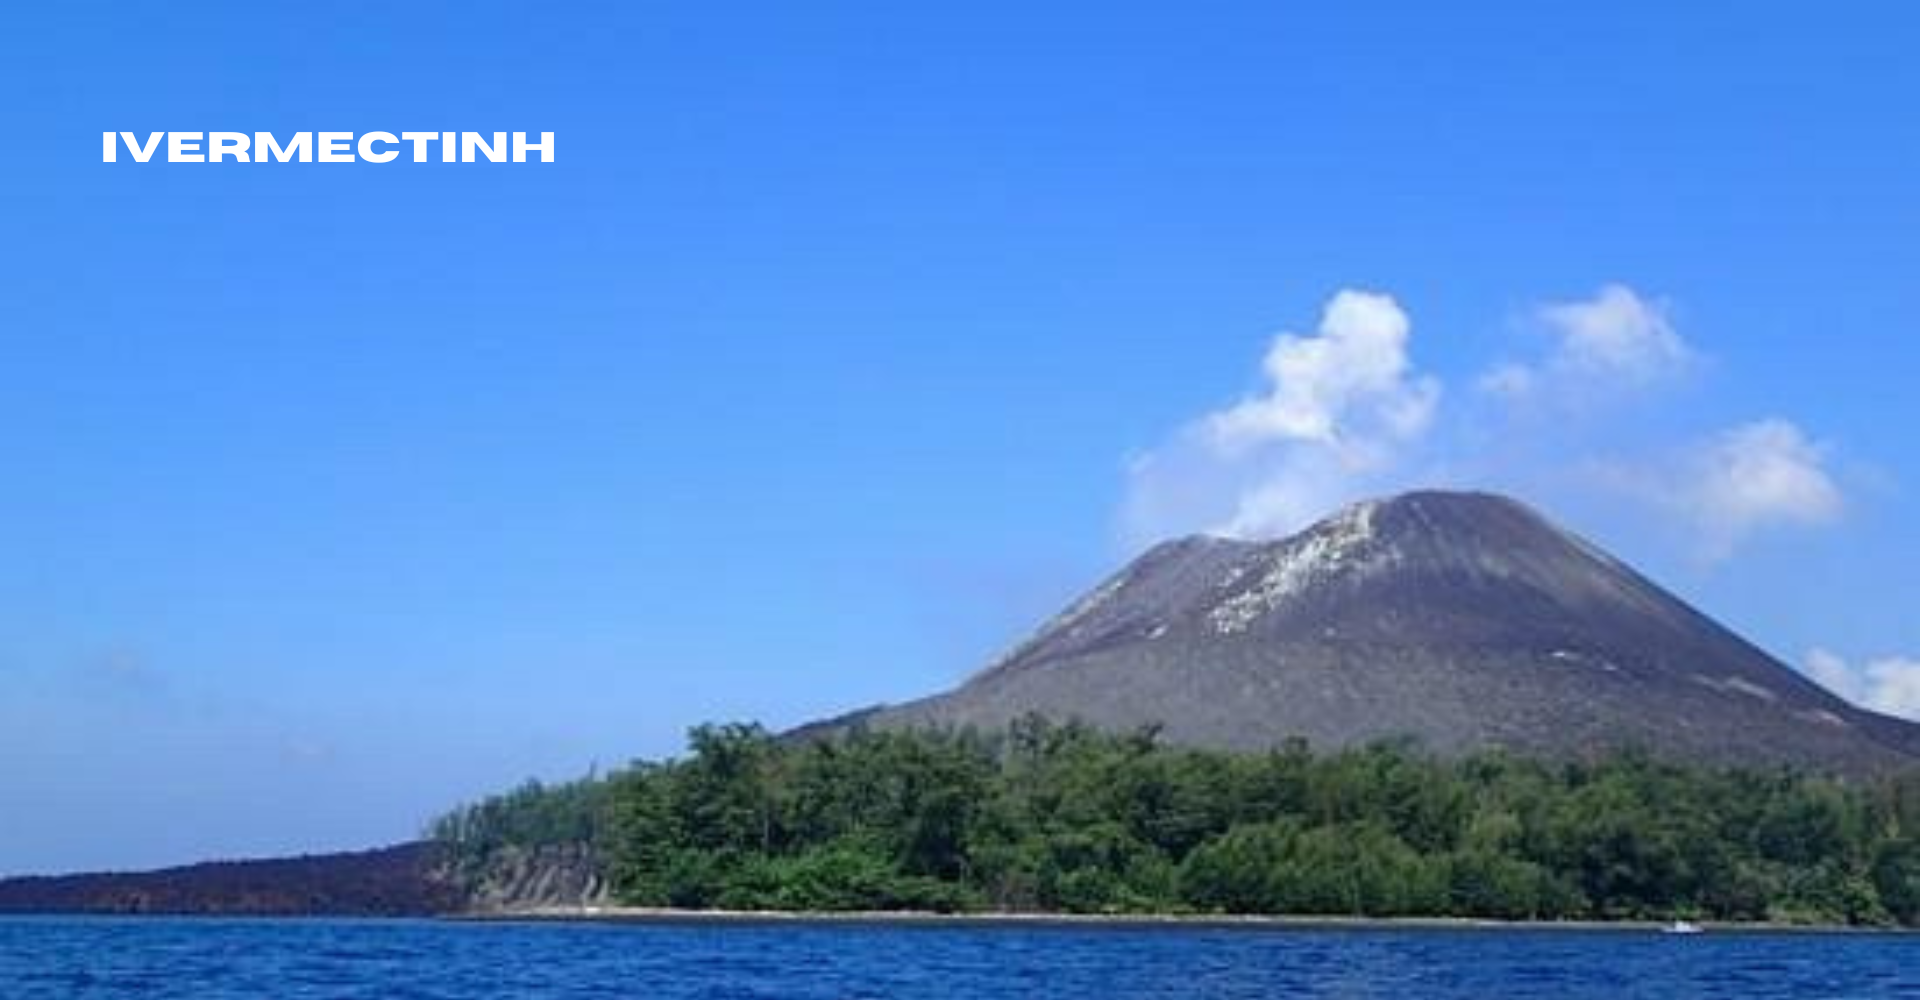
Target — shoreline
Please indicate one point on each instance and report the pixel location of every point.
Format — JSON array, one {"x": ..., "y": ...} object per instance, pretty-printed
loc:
[{"x": 668, "y": 917}]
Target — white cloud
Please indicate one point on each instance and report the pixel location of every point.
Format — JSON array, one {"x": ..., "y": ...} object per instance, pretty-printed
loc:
[
  {"x": 1616, "y": 339},
  {"x": 1344, "y": 413},
  {"x": 1890, "y": 685},
  {"x": 1336, "y": 410},
  {"x": 1617, "y": 331},
  {"x": 1724, "y": 489},
  {"x": 1355, "y": 371},
  {"x": 1744, "y": 480},
  {"x": 1765, "y": 472}
]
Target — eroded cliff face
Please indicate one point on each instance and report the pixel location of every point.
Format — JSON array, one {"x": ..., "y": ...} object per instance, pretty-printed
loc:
[{"x": 546, "y": 877}]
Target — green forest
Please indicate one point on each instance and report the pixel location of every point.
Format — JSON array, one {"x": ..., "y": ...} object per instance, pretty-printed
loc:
[{"x": 1061, "y": 818}]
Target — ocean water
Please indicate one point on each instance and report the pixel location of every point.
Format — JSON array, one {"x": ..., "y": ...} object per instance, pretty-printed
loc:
[{"x": 69, "y": 958}]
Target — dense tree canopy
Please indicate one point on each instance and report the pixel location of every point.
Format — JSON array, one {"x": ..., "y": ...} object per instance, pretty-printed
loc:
[{"x": 1058, "y": 818}]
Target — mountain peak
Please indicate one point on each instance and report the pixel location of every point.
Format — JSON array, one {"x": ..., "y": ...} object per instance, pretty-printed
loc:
[
  {"x": 1455, "y": 516},
  {"x": 1463, "y": 619},
  {"x": 1468, "y": 536},
  {"x": 1462, "y": 516}
]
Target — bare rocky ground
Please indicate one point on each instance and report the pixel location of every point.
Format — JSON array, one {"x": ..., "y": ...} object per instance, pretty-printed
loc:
[{"x": 1463, "y": 621}]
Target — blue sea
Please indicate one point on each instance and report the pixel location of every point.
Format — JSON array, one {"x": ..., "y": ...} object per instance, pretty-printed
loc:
[{"x": 395, "y": 960}]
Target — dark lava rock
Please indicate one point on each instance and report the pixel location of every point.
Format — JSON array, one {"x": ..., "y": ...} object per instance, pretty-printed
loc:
[{"x": 1465, "y": 621}]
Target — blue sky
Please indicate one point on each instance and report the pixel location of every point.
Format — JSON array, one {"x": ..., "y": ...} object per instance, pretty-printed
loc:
[{"x": 843, "y": 342}]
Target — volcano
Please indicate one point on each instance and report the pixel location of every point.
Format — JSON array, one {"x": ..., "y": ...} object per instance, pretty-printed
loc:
[{"x": 1463, "y": 621}]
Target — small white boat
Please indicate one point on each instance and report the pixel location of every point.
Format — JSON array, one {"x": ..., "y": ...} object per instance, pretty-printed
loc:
[{"x": 1682, "y": 927}]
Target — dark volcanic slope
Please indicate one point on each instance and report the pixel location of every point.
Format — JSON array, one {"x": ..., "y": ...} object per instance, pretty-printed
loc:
[
  {"x": 394, "y": 882},
  {"x": 1463, "y": 620}
]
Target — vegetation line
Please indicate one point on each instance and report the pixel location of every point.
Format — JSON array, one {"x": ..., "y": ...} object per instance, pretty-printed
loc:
[{"x": 1048, "y": 819}]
